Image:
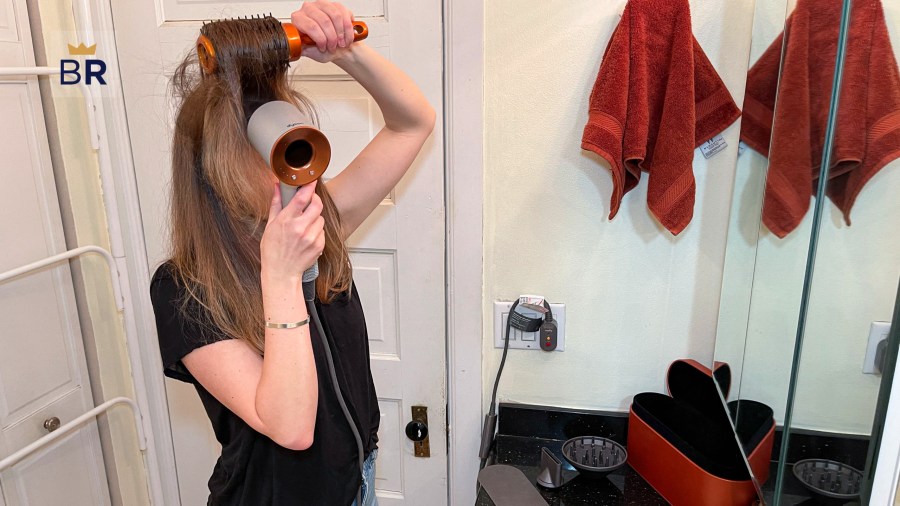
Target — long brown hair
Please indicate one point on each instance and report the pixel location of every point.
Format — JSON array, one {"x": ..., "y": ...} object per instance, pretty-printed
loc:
[{"x": 221, "y": 186}]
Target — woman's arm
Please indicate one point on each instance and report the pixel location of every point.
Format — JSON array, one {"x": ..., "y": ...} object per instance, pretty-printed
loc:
[
  {"x": 276, "y": 395},
  {"x": 409, "y": 120},
  {"x": 408, "y": 117}
]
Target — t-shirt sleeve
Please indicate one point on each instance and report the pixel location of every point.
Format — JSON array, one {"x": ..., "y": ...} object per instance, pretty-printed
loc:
[{"x": 178, "y": 335}]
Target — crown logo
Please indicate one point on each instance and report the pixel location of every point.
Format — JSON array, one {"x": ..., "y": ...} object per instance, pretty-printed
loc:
[{"x": 81, "y": 49}]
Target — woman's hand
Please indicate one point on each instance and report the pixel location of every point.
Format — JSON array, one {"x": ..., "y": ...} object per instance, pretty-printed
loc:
[
  {"x": 278, "y": 393},
  {"x": 329, "y": 25},
  {"x": 294, "y": 236}
]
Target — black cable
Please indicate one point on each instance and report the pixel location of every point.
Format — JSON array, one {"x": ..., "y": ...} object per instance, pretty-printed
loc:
[
  {"x": 503, "y": 359},
  {"x": 487, "y": 435},
  {"x": 314, "y": 314}
]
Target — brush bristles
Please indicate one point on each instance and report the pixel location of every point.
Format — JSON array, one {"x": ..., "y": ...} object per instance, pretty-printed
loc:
[{"x": 256, "y": 43}]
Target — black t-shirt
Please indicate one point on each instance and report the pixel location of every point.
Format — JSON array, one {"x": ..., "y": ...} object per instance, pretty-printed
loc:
[{"x": 254, "y": 470}]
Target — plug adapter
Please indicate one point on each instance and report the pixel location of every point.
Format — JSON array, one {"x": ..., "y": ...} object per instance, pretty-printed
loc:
[{"x": 547, "y": 335}]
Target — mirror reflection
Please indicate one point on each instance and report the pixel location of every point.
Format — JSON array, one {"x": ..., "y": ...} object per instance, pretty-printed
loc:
[{"x": 806, "y": 305}]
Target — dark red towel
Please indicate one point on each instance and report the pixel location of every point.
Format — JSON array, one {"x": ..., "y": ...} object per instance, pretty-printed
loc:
[
  {"x": 867, "y": 136},
  {"x": 657, "y": 97}
]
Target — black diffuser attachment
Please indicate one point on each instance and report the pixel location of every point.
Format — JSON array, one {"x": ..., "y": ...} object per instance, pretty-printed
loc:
[
  {"x": 833, "y": 482},
  {"x": 597, "y": 456}
]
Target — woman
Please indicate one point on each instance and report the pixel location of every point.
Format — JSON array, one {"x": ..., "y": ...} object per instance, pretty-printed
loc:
[{"x": 233, "y": 284}]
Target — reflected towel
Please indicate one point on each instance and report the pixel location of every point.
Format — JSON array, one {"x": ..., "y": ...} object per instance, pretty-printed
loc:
[
  {"x": 656, "y": 98},
  {"x": 867, "y": 136}
]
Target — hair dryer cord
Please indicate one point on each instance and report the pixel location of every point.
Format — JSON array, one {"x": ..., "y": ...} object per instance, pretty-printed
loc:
[{"x": 314, "y": 315}]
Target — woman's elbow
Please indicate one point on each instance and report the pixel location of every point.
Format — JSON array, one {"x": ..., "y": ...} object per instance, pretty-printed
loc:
[
  {"x": 300, "y": 441},
  {"x": 298, "y": 436},
  {"x": 429, "y": 116}
]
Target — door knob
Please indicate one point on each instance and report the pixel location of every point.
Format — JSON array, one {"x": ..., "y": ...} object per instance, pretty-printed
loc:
[
  {"x": 51, "y": 424},
  {"x": 416, "y": 431}
]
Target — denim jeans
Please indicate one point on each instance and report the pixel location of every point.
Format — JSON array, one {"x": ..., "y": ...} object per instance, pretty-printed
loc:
[{"x": 368, "y": 481}]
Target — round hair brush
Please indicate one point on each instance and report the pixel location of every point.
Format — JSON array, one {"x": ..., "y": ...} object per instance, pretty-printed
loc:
[{"x": 295, "y": 40}]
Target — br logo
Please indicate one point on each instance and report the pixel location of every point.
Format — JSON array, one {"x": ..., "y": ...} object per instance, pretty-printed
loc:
[{"x": 70, "y": 71}]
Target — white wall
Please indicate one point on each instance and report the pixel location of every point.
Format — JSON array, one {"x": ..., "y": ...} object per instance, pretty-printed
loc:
[
  {"x": 854, "y": 283},
  {"x": 637, "y": 298}
]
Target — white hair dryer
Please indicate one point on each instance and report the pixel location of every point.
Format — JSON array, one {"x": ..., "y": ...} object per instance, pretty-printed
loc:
[{"x": 295, "y": 150}]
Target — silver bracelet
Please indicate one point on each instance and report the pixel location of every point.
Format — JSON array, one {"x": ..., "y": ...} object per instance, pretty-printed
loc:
[{"x": 270, "y": 325}]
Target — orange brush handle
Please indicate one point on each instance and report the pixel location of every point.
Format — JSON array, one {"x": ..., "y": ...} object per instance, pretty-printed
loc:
[{"x": 297, "y": 40}]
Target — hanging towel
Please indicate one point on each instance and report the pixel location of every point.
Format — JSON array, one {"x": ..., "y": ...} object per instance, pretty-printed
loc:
[
  {"x": 867, "y": 134},
  {"x": 657, "y": 97}
]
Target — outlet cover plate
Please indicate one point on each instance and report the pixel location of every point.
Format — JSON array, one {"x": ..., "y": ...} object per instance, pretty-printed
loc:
[
  {"x": 519, "y": 340},
  {"x": 877, "y": 333}
]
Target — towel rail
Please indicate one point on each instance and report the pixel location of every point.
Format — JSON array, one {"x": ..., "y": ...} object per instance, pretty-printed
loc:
[
  {"x": 64, "y": 430},
  {"x": 113, "y": 269},
  {"x": 85, "y": 93}
]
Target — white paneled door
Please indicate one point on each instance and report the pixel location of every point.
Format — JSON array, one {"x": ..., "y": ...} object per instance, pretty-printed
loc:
[
  {"x": 43, "y": 373},
  {"x": 398, "y": 255}
]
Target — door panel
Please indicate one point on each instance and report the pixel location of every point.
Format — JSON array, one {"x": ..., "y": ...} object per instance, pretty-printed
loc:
[
  {"x": 389, "y": 471},
  {"x": 398, "y": 254},
  {"x": 61, "y": 473},
  {"x": 43, "y": 372},
  {"x": 10, "y": 44},
  {"x": 375, "y": 273},
  {"x": 57, "y": 476}
]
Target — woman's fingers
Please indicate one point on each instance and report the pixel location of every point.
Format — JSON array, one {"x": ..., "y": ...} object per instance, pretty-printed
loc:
[
  {"x": 319, "y": 243},
  {"x": 314, "y": 208},
  {"x": 301, "y": 199},
  {"x": 275, "y": 203},
  {"x": 336, "y": 13},
  {"x": 347, "y": 18},
  {"x": 310, "y": 215},
  {"x": 307, "y": 230},
  {"x": 319, "y": 14},
  {"x": 310, "y": 26},
  {"x": 319, "y": 225}
]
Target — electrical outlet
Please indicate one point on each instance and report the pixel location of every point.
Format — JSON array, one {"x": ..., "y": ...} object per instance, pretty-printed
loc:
[
  {"x": 877, "y": 332},
  {"x": 519, "y": 340}
]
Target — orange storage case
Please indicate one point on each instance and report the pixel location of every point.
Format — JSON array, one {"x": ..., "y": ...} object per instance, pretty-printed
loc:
[{"x": 683, "y": 445}]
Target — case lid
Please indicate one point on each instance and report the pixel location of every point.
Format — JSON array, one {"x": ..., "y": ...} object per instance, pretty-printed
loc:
[{"x": 692, "y": 382}]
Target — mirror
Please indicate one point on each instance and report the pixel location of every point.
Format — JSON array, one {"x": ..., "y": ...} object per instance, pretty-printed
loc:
[{"x": 803, "y": 290}]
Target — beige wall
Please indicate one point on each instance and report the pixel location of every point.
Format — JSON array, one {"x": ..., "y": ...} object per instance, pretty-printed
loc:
[
  {"x": 78, "y": 183},
  {"x": 637, "y": 298}
]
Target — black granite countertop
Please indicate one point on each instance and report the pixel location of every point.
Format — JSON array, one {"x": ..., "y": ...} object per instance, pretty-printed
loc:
[
  {"x": 623, "y": 487},
  {"x": 523, "y": 430}
]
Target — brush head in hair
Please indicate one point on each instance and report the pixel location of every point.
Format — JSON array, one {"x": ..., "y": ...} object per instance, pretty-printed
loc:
[{"x": 251, "y": 44}]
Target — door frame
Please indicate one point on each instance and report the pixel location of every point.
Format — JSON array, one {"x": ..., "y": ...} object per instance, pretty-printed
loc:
[
  {"x": 464, "y": 190},
  {"x": 95, "y": 16}
]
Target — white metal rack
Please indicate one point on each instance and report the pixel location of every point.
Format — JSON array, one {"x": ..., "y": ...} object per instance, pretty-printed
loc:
[
  {"x": 40, "y": 264},
  {"x": 71, "y": 426}
]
